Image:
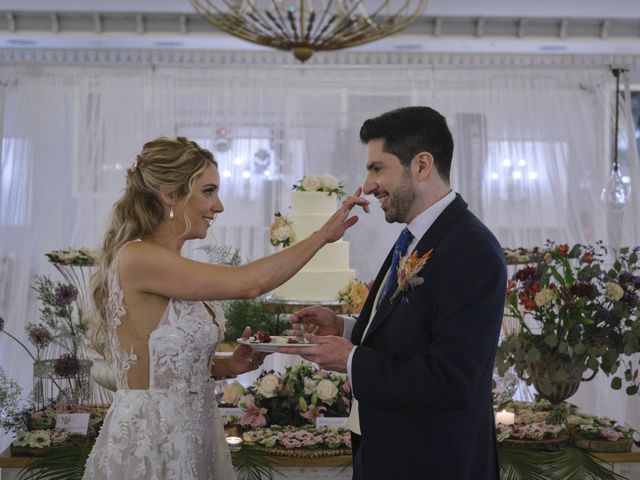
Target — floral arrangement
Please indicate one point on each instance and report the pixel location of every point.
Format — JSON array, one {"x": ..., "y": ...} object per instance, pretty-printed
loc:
[
  {"x": 59, "y": 323},
  {"x": 408, "y": 270},
  {"x": 80, "y": 257},
  {"x": 39, "y": 429},
  {"x": 602, "y": 428},
  {"x": 575, "y": 313},
  {"x": 320, "y": 183},
  {"x": 43, "y": 438},
  {"x": 354, "y": 294},
  {"x": 296, "y": 397},
  {"x": 281, "y": 231},
  {"x": 307, "y": 437},
  {"x": 533, "y": 421}
]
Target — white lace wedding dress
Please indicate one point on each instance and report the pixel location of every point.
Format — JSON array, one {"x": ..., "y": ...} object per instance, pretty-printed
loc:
[{"x": 173, "y": 430}]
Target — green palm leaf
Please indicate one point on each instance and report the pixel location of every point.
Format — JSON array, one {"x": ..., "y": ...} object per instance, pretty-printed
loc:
[
  {"x": 521, "y": 464},
  {"x": 577, "y": 464},
  {"x": 568, "y": 464},
  {"x": 60, "y": 463},
  {"x": 253, "y": 463}
]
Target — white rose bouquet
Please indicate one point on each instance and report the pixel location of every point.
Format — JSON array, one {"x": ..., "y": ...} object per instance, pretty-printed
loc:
[{"x": 296, "y": 397}]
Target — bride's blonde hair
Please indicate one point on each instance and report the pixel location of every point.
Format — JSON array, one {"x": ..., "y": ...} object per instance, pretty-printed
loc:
[{"x": 172, "y": 163}]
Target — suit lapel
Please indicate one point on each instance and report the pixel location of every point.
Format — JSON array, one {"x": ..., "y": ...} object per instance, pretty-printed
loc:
[{"x": 428, "y": 241}]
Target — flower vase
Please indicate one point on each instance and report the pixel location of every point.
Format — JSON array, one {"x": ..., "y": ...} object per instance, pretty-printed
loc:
[
  {"x": 561, "y": 389},
  {"x": 50, "y": 387}
]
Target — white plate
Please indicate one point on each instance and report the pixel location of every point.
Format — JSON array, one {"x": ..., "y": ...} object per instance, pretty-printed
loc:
[{"x": 276, "y": 342}]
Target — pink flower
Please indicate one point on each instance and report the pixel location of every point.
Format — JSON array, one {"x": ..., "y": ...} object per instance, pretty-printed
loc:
[
  {"x": 611, "y": 434},
  {"x": 346, "y": 386},
  {"x": 314, "y": 412},
  {"x": 254, "y": 416}
]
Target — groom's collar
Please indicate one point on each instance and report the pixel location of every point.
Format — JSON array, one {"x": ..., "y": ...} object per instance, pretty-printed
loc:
[{"x": 419, "y": 225}]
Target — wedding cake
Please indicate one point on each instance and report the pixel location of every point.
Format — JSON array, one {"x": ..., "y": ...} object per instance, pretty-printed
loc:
[{"x": 314, "y": 200}]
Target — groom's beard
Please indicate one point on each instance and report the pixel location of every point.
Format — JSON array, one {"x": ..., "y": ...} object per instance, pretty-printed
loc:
[{"x": 401, "y": 200}]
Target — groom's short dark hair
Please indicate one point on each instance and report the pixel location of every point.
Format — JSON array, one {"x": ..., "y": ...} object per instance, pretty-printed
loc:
[{"x": 408, "y": 131}]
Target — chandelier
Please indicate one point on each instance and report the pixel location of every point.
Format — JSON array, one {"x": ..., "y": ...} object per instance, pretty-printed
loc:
[{"x": 308, "y": 26}]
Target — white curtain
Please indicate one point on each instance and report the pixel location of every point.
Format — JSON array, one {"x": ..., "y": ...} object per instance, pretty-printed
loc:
[{"x": 533, "y": 150}]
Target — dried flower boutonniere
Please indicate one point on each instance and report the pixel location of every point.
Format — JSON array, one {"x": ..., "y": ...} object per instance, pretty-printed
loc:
[{"x": 408, "y": 272}]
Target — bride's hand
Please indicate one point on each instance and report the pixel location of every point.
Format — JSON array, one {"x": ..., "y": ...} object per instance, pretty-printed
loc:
[
  {"x": 340, "y": 221},
  {"x": 244, "y": 358}
]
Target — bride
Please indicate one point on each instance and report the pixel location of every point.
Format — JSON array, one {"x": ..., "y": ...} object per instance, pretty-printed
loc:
[{"x": 157, "y": 318}]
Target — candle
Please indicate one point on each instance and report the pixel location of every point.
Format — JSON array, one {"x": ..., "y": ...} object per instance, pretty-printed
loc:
[
  {"x": 506, "y": 418},
  {"x": 235, "y": 443}
]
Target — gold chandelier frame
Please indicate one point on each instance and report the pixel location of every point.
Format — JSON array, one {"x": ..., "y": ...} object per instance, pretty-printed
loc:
[{"x": 308, "y": 26}]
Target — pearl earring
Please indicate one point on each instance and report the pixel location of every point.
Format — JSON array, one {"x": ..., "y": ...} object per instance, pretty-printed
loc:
[{"x": 171, "y": 213}]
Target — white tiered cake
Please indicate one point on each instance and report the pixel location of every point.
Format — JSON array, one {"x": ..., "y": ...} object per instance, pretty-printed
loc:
[{"x": 328, "y": 271}]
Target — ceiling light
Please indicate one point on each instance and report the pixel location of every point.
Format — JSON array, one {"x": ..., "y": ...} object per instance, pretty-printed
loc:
[{"x": 308, "y": 26}]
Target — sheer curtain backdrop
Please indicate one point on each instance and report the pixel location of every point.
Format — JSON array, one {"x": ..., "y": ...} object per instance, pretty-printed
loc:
[{"x": 533, "y": 150}]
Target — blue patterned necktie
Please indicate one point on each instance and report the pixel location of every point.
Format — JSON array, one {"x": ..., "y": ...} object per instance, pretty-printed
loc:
[{"x": 399, "y": 250}]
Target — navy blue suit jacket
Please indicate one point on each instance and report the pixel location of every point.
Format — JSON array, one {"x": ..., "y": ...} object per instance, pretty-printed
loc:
[{"x": 422, "y": 374}]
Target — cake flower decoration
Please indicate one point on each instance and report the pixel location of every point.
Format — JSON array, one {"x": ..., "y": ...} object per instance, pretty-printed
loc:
[
  {"x": 408, "y": 270},
  {"x": 320, "y": 183},
  {"x": 281, "y": 231}
]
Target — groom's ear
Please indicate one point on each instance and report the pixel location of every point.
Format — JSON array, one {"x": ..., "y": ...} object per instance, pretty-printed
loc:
[{"x": 423, "y": 165}]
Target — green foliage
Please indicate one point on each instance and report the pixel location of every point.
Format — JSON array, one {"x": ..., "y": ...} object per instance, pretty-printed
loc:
[
  {"x": 59, "y": 463},
  {"x": 253, "y": 463},
  {"x": 251, "y": 313},
  {"x": 568, "y": 464},
  {"x": 222, "y": 254},
  {"x": 14, "y": 412}
]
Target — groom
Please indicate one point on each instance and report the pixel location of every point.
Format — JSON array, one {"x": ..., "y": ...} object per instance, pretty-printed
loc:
[{"x": 420, "y": 355}]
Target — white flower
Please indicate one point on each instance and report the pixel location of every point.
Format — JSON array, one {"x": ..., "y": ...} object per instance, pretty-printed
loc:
[
  {"x": 268, "y": 385},
  {"x": 232, "y": 393},
  {"x": 311, "y": 183},
  {"x": 282, "y": 233},
  {"x": 326, "y": 390},
  {"x": 329, "y": 182},
  {"x": 544, "y": 297},
  {"x": 309, "y": 386},
  {"x": 613, "y": 291}
]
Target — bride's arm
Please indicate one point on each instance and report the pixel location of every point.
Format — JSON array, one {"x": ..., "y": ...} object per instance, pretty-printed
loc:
[{"x": 149, "y": 268}]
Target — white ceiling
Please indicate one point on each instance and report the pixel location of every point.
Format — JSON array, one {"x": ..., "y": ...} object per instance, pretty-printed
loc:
[{"x": 487, "y": 26}]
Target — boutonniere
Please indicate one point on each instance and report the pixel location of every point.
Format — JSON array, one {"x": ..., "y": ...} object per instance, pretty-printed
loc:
[{"x": 408, "y": 270}]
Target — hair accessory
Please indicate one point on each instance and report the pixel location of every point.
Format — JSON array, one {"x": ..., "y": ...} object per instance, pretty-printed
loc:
[{"x": 171, "y": 213}]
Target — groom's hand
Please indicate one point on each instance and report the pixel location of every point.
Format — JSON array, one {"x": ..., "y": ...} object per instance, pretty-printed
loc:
[
  {"x": 329, "y": 352},
  {"x": 318, "y": 320}
]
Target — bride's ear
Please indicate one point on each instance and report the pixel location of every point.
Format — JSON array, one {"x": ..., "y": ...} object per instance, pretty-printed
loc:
[{"x": 168, "y": 197}]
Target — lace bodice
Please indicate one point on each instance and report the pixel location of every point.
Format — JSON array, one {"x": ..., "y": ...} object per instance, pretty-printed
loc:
[
  {"x": 180, "y": 349},
  {"x": 172, "y": 429}
]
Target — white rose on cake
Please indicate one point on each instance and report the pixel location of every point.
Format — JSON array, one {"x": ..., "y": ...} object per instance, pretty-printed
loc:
[
  {"x": 326, "y": 390},
  {"x": 311, "y": 183},
  {"x": 329, "y": 182}
]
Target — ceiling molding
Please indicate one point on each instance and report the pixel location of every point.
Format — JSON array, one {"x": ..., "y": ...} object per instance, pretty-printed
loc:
[
  {"x": 90, "y": 29},
  {"x": 253, "y": 59}
]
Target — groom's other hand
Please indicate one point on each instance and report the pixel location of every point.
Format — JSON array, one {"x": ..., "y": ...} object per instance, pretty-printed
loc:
[
  {"x": 318, "y": 321},
  {"x": 329, "y": 352}
]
